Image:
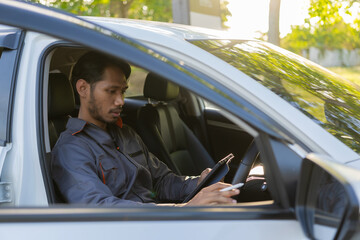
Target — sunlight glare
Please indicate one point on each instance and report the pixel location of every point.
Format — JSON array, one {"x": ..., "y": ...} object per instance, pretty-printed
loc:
[{"x": 250, "y": 17}]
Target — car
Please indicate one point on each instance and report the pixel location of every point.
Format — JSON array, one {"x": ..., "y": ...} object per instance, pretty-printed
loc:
[{"x": 291, "y": 125}]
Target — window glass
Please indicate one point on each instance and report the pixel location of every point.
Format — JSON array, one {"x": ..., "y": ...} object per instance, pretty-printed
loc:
[
  {"x": 136, "y": 82},
  {"x": 329, "y": 100},
  {"x": 7, "y": 64}
]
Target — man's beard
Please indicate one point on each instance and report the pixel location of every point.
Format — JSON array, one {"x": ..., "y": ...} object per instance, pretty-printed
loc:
[{"x": 94, "y": 110}]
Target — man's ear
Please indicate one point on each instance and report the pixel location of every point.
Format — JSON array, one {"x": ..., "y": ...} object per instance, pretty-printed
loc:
[{"x": 82, "y": 87}]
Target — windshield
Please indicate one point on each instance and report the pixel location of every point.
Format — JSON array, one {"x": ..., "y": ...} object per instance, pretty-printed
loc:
[{"x": 329, "y": 100}]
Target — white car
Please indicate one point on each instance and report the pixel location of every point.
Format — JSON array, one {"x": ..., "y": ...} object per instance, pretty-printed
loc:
[{"x": 292, "y": 126}]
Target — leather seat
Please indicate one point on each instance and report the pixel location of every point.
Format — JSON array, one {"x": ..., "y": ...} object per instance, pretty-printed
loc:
[
  {"x": 61, "y": 105},
  {"x": 165, "y": 134}
]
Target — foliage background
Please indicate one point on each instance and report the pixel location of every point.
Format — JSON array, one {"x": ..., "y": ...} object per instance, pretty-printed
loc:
[
  {"x": 326, "y": 28},
  {"x": 153, "y": 10}
]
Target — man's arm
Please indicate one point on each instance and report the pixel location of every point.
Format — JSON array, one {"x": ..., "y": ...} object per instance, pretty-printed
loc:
[
  {"x": 75, "y": 173},
  {"x": 170, "y": 186},
  {"x": 167, "y": 186},
  {"x": 210, "y": 195}
]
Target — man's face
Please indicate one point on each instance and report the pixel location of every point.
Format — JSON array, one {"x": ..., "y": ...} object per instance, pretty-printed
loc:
[{"x": 107, "y": 97}]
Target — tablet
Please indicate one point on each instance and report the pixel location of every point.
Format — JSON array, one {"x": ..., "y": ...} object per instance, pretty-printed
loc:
[{"x": 217, "y": 173}]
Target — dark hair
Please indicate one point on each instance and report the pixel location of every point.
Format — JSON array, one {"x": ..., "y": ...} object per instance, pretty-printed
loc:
[{"x": 91, "y": 67}]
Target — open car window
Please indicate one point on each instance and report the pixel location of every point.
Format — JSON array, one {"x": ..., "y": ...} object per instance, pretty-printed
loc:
[{"x": 256, "y": 191}]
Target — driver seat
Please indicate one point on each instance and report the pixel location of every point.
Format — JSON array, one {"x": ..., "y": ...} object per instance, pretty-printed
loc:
[
  {"x": 60, "y": 106},
  {"x": 165, "y": 134}
]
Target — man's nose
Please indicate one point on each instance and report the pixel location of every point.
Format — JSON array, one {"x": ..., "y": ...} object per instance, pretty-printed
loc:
[{"x": 119, "y": 101}]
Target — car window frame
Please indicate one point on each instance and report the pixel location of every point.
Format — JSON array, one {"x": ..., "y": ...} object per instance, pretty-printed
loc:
[
  {"x": 11, "y": 41},
  {"x": 42, "y": 126},
  {"x": 263, "y": 139}
]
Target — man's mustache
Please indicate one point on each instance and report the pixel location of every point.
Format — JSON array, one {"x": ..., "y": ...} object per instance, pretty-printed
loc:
[{"x": 118, "y": 109}]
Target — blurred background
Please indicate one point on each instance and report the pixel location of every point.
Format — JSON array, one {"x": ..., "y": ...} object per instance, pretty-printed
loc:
[{"x": 324, "y": 31}]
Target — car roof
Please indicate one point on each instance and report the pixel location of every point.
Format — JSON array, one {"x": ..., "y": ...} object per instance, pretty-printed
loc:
[
  {"x": 5, "y": 27},
  {"x": 180, "y": 31}
]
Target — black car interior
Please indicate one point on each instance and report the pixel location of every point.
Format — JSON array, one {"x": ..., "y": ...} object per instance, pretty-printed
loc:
[
  {"x": 165, "y": 133},
  {"x": 160, "y": 119},
  {"x": 61, "y": 105}
]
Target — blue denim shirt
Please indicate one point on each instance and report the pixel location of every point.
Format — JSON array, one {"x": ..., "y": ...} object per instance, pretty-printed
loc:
[{"x": 91, "y": 166}]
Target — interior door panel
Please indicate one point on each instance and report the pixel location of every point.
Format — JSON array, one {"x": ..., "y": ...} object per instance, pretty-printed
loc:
[{"x": 224, "y": 138}]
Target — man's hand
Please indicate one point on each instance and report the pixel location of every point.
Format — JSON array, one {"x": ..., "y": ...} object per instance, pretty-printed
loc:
[
  {"x": 211, "y": 195},
  {"x": 203, "y": 175}
]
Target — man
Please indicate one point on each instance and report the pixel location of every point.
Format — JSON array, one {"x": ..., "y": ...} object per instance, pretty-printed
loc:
[{"x": 97, "y": 160}]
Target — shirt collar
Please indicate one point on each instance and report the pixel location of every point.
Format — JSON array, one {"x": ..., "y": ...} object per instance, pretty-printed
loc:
[{"x": 77, "y": 125}]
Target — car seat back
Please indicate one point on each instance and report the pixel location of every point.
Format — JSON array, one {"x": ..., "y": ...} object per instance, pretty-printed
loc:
[
  {"x": 164, "y": 132},
  {"x": 61, "y": 104}
]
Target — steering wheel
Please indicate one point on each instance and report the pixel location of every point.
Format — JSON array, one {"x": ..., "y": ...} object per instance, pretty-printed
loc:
[{"x": 245, "y": 165}]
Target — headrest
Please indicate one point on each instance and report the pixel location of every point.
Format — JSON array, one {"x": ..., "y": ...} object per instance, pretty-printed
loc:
[
  {"x": 61, "y": 95},
  {"x": 159, "y": 88}
]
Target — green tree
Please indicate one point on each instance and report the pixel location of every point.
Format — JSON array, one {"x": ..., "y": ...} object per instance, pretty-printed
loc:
[
  {"x": 325, "y": 28},
  {"x": 224, "y": 13},
  {"x": 159, "y": 10},
  {"x": 154, "y": 10}
]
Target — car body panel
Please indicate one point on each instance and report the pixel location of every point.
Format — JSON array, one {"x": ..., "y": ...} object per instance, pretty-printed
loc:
[
  {"x": 154, "y": 229},
  {"x": 25, "y": 136},
  {"x": 243, "y": 102}
]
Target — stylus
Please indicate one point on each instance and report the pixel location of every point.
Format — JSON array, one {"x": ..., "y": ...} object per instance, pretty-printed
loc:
[{"x": 232, "y": 187}]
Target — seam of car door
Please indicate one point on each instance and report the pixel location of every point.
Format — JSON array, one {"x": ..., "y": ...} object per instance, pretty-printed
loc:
[{"x": 43, "y": 154}]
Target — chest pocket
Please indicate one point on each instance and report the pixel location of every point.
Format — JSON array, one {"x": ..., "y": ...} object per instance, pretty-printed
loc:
[
  {"x": 113, "y": 174},
  {"x": 139, "y": 157}
]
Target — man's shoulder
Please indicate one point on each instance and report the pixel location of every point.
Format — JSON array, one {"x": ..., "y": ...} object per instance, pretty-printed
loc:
[
  {"x": 73, "y": 132},
  {"x": 68, "y": 138},
  {"x": 71, "y": 145}
]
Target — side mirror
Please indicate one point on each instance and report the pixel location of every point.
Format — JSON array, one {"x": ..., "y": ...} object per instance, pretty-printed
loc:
[{"x": 327, "y": 199}]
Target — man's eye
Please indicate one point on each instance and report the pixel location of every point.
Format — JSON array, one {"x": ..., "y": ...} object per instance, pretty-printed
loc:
[{"x": 111, "y": 91}]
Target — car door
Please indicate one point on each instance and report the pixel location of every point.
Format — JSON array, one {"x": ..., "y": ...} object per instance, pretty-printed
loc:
[{"x": 227, "y": 222}]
